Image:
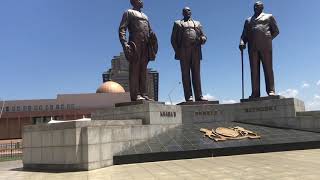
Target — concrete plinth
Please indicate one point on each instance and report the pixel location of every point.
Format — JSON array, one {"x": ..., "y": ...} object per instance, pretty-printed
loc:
[{"x": 149, "y": 112}]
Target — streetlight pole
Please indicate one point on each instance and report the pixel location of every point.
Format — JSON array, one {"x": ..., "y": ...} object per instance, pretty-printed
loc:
[
  {"x": 169, "y": 95},
  {"x": 3, "y": 102}
]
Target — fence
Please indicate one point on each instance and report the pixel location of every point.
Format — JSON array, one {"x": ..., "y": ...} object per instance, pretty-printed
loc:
[{"x": 10, "y": 151}]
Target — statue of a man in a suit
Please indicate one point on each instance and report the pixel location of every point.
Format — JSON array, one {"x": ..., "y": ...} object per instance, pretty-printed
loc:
[
  {"x": 141, "y": 47},
  {"x": 186, "y": 39},
  {"x": 259, "y": 31}
]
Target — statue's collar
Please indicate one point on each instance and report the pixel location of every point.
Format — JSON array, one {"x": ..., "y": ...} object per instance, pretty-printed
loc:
[{"x": 260, "y": 16}]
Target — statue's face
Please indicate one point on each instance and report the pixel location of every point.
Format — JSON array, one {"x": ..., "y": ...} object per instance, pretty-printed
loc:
[
  {"x": 137, "y": 3},
  {"x": 258, "y": 7},
  {"x": 186, "y": 12}
]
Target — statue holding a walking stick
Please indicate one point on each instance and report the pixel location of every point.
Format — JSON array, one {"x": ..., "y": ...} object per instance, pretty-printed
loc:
[{"x": 259, "y": 31}]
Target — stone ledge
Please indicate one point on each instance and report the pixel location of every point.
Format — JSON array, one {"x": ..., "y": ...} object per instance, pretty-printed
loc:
[
  {"x": 80, "y": 124},
  {"x": 197, "y": 103},
  {"x": 133, "y": 103},
  {"x": 262, "y": 98}
]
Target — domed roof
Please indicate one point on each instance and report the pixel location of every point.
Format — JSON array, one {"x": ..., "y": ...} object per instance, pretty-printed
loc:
[{"x": 110, "y": 87}]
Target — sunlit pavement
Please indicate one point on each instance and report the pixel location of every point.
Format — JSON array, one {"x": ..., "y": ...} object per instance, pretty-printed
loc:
[{"x": 300, "y": 165}]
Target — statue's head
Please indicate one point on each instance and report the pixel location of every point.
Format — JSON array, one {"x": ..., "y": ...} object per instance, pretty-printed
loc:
[
  {"x": 258, "y": 7},
  {"x": 137, "y": 3},
  {"x": 186, "y": 12}
]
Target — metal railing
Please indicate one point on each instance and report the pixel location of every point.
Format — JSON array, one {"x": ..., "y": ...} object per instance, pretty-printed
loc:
[{"x": 10, "y": 151}]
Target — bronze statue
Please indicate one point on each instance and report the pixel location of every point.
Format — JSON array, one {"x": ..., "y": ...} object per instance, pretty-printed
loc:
[
  {"x": 186, "y": 39},
  {"x": 141, "y": 48},
  {"x": 259, "y": 31}
]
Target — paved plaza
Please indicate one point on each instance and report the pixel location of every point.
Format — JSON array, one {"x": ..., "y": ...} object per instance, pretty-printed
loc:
[{"x": 280, "y": 165}]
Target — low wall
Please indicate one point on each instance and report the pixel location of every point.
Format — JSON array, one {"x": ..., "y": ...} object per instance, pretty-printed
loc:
[{"x": 82, "y": 145}]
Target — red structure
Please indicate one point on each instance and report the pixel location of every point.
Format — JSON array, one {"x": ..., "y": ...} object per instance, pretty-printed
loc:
[{"x": 19, "y": 113}]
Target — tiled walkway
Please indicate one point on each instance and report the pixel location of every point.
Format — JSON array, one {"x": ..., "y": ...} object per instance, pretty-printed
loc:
[{"x": 302, "y": 165}]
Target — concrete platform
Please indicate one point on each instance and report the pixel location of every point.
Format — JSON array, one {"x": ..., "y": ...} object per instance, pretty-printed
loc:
[{"x": 151, "y": 132}]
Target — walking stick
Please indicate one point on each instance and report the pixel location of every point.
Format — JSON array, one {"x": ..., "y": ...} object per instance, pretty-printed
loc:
[{"x": 242, "y": 73}]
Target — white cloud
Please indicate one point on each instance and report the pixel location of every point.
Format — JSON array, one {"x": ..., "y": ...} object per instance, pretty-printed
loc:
[
  {"x": 289, "y": 93},
  {"x": 209, "y": 97},
  {"x": 231, "y": 101},
  {"x": 305, "y": 85},
  {"x": 318, "y": 83},
  {"x": 314, "y": 104},
  {"x": 174, "y": 102}
]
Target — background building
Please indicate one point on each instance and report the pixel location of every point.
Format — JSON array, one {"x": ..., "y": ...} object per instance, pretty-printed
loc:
[
  {"x": 119, "y": 73},
  {"x": 19, "y": 113}
]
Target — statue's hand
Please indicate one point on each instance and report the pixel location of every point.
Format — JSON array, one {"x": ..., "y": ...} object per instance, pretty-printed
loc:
[
  {"x": 126, "y": 47},
  {"x": 203, "y": 40},
  {"x": 242, "y": 46}
]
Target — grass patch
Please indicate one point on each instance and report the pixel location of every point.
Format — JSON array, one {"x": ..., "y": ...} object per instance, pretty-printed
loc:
[{"x": 2, "y": 159}]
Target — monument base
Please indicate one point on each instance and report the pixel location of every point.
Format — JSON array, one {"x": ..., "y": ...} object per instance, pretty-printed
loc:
[
  {"x": 193, "y": 103},
  {"x": 152, "y": 132},
  {"x": 262, "y": 98}
]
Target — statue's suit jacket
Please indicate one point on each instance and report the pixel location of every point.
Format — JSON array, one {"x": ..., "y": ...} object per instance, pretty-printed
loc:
[
  {"x": 259, "y": 32},
  {"x": 177, "y": 37}
]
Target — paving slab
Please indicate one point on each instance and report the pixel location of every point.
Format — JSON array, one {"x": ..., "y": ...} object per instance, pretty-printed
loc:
[{"x": 186, "y": 141}]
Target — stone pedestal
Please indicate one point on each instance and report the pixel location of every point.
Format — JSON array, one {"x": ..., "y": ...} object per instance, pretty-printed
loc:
[
  {"x": 149, "y": 112},
  {"x": 274, "y": 112}
]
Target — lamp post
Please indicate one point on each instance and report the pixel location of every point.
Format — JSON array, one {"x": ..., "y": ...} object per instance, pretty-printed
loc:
[
  {"x": 169, "y": 95},
  {"x": 1, "y": 111}
]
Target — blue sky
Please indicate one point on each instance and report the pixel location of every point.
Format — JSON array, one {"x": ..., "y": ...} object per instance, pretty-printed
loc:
[{"x": 50, "y": 47}]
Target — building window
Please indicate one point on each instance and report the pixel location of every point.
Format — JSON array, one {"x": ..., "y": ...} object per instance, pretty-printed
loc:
[
  {"x": 62, "y": 106},
  {"x": 47, "y": 107},
  {"x": 57, "y": 106},
  {"x": 29, "y": 108},
  {"x": 40, "y": 108},
  {"x": 25, "y": 108},
  {"x": 13, "y": 108},
  {"x": 51, "y": 107},
  {"x": 35, "y": 108},
  {"x": 7, "y": 109},
  {"x": 18, "y": 108}
]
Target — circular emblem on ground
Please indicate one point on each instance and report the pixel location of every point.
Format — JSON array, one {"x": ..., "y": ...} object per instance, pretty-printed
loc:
[{"x": 227, "y": 132}]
